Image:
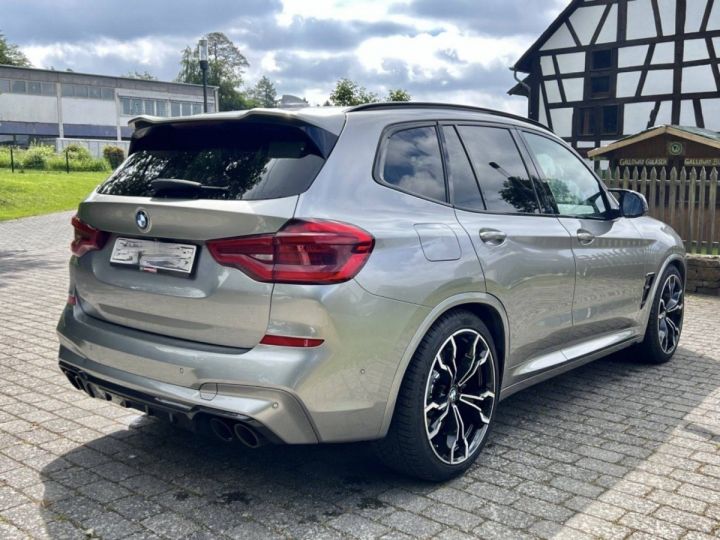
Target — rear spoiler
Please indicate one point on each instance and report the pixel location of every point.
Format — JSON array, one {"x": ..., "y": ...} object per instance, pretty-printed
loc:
[{"x": 322, "y": 129}]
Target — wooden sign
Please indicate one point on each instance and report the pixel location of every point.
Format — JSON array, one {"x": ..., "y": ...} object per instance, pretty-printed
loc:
[
  {"x": 642, "y": 162},
  {"x": 702, "y": 162}
]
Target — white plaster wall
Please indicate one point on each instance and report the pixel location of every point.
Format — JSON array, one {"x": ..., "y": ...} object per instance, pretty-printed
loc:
[
  {"x": 695, "y": 49},
  {"x": 667, "y": 16},
  {"x": 553, "y": 91},
  {"x": 574, "y": 88},
  {"x": 97, "y": 112},
  {"x": 571, "y": 62},
  {"x": 627, "y": 83},
  {"x": 632, "y": 56},
  {"x": 559, "y": 40},
  {"x": 546, "y": 65},
  {"x": 664, "y": 115},
  {"x": 608, "y": 34},
  {"x": 698, "y": 79},
  {"x": 25, "y": 108},
  {"x": 687, "y": 113},
  {"x": 664, "y": 53},
  {"x": 639, "y": 20},
  {"x": 562, "y": 121},
  {"x": 694, "y": 14},
  {"x": 542, "y": 116},
  {"x": 637, "y": 116},
  {"x": 658, "y": 81},
  {"x": 714, "y": 20},
  {"x": 585, "y": 21},
  {"x": 711, "y": 113}
]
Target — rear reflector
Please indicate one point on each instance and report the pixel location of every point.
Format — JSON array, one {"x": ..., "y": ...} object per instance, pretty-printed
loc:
[
  {"x": 313, "y": 252},
  {"x": 71, "y": 300},
  {"x": 285, "y": 341},
  {"x": 87, "y": 238}
]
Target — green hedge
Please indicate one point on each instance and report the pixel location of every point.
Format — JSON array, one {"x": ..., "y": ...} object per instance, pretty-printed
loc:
[{"x": 44, "y": 158}]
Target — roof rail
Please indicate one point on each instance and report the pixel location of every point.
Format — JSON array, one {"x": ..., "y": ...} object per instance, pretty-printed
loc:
[{"x": 431, "y": 105}]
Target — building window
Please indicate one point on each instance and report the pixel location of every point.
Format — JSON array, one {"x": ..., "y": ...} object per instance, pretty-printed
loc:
[
  {"x": 599, "y": 120},
  {"x": 175, "y": 109},
  {"x": 161, "y": 108},
  {"x": 48, "y": 89},
  {"x": 4, "y": 85},
  {"x": 601, "y": 59},
  {"x": 87, "y": 91},
  {"x": 610, "y": 120},
  {"x": 150, "y": 106},
  {"x": 600, "y": 86},
  {"x": 19, "y": 87}
]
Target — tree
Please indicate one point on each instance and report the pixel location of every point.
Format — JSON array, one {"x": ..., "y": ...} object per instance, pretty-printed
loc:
[
  {"x": 144, "y": 75},
  {"x": 264, "y": 93},
  {"x": 349, "y": 93},
  {"x": 398, "y": 94},
  {"x": 226, "y": 67},
  {"x": 11, "y": 54}
]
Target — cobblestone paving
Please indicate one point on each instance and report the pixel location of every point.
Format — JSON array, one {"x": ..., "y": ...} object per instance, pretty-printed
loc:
[{"x": 616, "y": 449}]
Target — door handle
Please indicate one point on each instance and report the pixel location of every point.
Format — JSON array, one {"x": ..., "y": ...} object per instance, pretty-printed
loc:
[
  {"x": 492, "y": 236},
  {"x": 585, "y": 237}
]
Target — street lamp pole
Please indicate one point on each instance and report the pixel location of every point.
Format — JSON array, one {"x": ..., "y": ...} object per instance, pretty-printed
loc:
[{"x": 203, "y": 46}]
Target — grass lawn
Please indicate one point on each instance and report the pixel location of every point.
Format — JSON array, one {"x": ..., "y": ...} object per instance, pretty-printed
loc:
[{"x": 33, "y": 193}]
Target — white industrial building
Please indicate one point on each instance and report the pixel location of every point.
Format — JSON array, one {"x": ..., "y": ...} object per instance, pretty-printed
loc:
[{"x": 50, "y": 106}]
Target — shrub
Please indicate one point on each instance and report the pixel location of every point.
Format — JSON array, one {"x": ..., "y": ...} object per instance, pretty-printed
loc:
[
  {"x": 114, "y": 155},
  {"x": 76, "y": 151},
  {"x": 37, "y": 156}
]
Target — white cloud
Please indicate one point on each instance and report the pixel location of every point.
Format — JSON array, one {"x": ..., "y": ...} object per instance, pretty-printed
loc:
[
  {"x": 145, "y": 53},
  {"x": 422, "y": 53}
]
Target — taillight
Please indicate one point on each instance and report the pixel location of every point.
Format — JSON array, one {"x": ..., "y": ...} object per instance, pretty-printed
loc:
[
  {"x": 87, "y": 238},
  {"x": 303, "y": 251}
]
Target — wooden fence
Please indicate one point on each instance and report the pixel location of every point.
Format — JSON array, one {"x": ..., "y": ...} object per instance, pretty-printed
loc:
[{"x": 687, "y": 200}]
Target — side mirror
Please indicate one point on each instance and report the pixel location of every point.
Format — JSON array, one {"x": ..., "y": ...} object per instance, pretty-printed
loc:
[{"x": 632, "y": 203}]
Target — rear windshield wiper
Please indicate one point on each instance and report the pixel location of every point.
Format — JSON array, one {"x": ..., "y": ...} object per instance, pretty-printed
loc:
[{"x": 178, "y": 186}]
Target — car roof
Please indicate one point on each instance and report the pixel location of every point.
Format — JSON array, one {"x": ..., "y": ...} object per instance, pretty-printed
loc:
[{"x": 333, "y": 119}]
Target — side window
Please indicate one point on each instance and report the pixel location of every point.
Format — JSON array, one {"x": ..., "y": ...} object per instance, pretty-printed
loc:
[
  {"x": 575, "y": 189},
  {"x": 504, "y": 181},
  {"x": 412, "y": 163},
  {"x": 465, "y": 190}
]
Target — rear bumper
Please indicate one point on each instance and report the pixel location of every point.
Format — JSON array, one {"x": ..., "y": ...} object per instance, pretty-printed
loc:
[
  {"x": 336, "y": 392},
  {"x": 276, "y": 413}
]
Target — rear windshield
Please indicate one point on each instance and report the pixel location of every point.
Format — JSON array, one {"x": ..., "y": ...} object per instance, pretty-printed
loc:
[{"x": 248, "y": 161}]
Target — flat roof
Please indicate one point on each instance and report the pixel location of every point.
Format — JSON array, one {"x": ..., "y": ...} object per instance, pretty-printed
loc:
[{"x": 58, "y": 76}]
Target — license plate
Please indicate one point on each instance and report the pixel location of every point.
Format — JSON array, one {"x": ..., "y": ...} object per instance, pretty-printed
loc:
[{"x": 154, "y": 256}]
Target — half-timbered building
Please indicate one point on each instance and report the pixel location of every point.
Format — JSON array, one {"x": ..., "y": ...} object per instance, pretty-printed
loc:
[{"x": 606, "y": 69}]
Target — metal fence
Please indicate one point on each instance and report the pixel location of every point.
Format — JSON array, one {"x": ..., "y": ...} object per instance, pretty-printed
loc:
[
  {"x": 95, "y": 146},
  {"x": 686, "y": 199}
]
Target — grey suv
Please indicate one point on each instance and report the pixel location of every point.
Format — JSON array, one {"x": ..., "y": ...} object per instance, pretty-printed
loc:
[{"x": 387, "y": 272}]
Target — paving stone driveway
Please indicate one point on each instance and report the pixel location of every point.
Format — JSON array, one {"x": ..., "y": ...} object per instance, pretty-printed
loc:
[{"x": 613, "y": 450}]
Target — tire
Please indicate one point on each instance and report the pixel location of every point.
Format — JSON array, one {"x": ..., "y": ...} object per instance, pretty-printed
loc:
[
  {"x": 664, "y": 325},
  {"x": 426, "y": 444}
]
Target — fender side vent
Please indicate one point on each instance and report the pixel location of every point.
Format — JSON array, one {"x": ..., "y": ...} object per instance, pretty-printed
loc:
[{"x": 649, "y": 279}]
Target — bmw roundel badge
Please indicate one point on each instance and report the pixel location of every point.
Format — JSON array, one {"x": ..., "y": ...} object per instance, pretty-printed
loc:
[{"x": 142, "y": 220}]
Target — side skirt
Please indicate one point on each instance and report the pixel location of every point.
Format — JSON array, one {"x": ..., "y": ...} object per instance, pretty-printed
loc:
[{"x": 573, "y": 362}]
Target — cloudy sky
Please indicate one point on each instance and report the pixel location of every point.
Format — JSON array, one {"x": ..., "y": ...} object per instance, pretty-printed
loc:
[{"x": 442, "y": 50}]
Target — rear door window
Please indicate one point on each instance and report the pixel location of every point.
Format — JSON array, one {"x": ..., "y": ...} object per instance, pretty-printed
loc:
[
  {"x": 504, "y": 181},
  {"x": 411, "y": 162},
  {"x": 465, "y": 190},
  {"x": 234, "y": 161}
]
